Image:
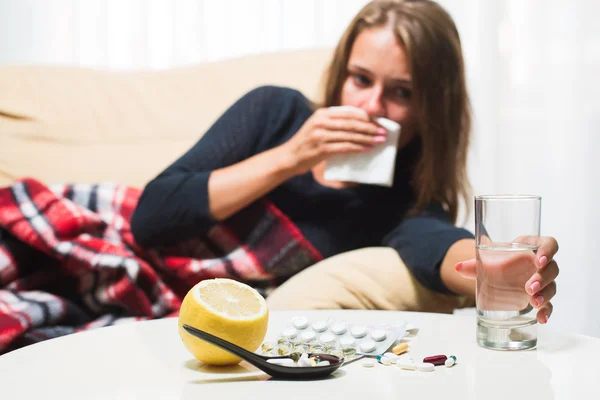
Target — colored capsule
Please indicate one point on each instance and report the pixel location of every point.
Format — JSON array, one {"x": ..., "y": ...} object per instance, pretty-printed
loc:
[
  {"x": 349, "y": 351},
  {"x": 439, "y": 359},
  {"x": 283, "y": 349},
  {"x": 267, "y": 347},
  {"x": 399, "y": 349},
  {"x": 450, "y": 361}
]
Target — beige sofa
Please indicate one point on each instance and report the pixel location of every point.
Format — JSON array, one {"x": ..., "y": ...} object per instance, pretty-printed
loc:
[
  {"x": 77, "y": 125},
  {"x": 62, "y": 124}
]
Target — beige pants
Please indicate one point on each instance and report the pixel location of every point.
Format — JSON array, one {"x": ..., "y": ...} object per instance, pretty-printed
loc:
[{"x": 373, "y": 278}]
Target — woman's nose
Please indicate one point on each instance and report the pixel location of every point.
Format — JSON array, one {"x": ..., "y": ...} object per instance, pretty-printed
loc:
[{"x": 374, "y": 103}]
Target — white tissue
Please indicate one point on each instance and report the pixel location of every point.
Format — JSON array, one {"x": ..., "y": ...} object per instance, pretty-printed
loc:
[{"x": 375, "y": 167}]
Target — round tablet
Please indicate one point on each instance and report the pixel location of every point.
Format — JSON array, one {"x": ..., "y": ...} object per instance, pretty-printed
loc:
[
  {"x": 319, "y": 326},
  {"x": 347, "y": 341},
  {"x": 368, "y": 363},
  {"x": 300, "y": 322},
  {"x": 338, "y": 328},
  {"x": 367, "y": 346},
  {"x": 378, "y": 335},
  {"x": 289, "y": 333},
  {"x": 426, "y": 367},
  {"x": 327, "y": 338},
  {"x": 308, "y": 336},
  {"x": 358, "y": 331}
]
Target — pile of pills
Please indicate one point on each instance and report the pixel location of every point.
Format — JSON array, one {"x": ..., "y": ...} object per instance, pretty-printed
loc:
[
  {"x": 333, "y": 337},
  {"x": 299, "y": 360},
  {"x": 407, "y": 363}
]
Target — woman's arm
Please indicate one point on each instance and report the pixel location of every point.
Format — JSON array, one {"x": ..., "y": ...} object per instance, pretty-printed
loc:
[
  {"x": 327, "y": 132},
  {"x": 235, "y": 162},
  {"x": 232, "y": 188},
  {"x": 175, "y": 205},
  {"x": 461, "y": 250},
  {"x": 430, "y": 246}
]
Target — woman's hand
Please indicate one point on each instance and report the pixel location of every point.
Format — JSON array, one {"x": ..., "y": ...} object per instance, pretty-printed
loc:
[
  {"x": 540, "y": 287},
  {"x": 329, "y": 131}
]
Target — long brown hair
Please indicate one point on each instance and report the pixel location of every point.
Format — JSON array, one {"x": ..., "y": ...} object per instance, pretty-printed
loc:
[{"x": 430, "y": 38}]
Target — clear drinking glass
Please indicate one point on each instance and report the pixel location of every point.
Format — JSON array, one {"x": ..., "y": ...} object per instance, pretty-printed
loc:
[{"x": 507, "y": 230}]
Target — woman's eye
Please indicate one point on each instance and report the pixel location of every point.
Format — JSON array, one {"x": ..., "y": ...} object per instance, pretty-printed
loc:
[
  {"x": 361, "y": 80},
  {"x": 402, "y": 93}
]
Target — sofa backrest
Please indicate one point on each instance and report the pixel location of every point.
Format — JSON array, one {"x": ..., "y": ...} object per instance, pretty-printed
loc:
[{"x": 79, "y": 125}]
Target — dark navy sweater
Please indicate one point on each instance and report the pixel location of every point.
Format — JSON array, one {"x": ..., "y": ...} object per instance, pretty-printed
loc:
[{"x": 174, "y": 206}]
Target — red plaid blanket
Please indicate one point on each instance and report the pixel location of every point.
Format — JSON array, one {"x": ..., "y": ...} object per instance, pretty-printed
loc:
[{"x": 68, "y": 260}]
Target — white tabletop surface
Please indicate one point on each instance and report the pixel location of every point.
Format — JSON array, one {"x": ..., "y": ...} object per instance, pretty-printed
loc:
[{"x": 146, "y": 360}]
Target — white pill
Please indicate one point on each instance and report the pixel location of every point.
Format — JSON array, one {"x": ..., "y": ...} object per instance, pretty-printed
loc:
[
  {"x": 410, "y": 327},
  {"x": 287, "y": 362},
  {"x": 378, "y": 335},
  {"x": 409, "y": 365},
  {"x": 368, "y": 363},
  {"x": 391, "y": 356},
  {"x": 358, "y": 331},
  {"x": 338, "y": 328},
  {"x": 308, "y": 336},
  {"x": 426, "y": 367},
  {"x": 303, "y": 361},
  {"x": 289, "y": 333},
  {"x": 323, "y": 364},
  {"x": 405, "y": 358},
  {"x": 319, "y": 326},
  {"x": 385, "y": 361},
  {"x": 449, "y": 362},
  {"x": 327, "y": 338},
  {"x": 300, "y": 322},
  {"x": 367, "y": 346},
  {"x": 347, "y": 341}
]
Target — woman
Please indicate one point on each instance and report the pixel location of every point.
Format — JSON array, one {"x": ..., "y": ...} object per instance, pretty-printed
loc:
[{"x": 401, "y": 60}]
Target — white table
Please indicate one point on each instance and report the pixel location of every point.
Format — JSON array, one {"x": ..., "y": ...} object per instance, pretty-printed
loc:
[{"x": 146, "y": 360}]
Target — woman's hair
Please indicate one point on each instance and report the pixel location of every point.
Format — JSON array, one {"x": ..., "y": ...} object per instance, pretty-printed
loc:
[{"x": 443, "y": 114}]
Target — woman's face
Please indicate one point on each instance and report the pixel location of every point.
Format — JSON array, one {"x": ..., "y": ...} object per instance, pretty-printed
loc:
[{"x": 379, "y": 79}]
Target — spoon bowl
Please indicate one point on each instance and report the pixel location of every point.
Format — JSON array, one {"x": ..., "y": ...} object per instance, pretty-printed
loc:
[{"x": 262, "y": 362}]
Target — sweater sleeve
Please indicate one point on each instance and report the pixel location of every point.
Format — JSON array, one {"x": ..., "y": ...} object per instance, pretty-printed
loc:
[
  {"x": 422, "y": 242},
  {"x": 174, "y": 206}
]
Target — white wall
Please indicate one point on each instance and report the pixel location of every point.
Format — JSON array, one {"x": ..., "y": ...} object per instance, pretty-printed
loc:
[{"x": 533, "y": 69}]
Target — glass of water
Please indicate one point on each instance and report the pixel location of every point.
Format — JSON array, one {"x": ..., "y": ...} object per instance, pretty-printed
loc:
[{"x": 507, "y": 230}]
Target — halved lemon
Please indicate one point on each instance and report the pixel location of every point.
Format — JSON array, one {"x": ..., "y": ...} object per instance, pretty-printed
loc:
[{"x": 225, "y": 308}]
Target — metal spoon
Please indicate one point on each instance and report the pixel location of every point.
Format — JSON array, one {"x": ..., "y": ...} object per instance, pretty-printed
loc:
[{"x": 260, "y": 362}]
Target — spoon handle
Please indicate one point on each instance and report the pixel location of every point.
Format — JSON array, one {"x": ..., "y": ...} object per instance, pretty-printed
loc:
[{"x": 249, "y": 356}]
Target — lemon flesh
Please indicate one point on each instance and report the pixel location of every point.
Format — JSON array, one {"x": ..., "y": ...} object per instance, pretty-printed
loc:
[{"x": 225, "y": 308}]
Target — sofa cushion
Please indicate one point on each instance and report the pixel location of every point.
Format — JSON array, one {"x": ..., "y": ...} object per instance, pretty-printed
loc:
[{"x": 64, "y": 124}]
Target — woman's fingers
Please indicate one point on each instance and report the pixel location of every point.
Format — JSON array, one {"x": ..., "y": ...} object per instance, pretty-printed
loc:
[
  {"x": 546, "y": 251},
  {"x": 345, "y": 148},
  {"x": 542, "y": 278},
  {"x": 467, "y": 269},
  {"x": 541, "y": 298},
  {"x": 341, "y": 136},
  {"x": 353, "y": 125},
  {"x": 544, "y": 313},
  {"x": 344, "y": 112}
]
